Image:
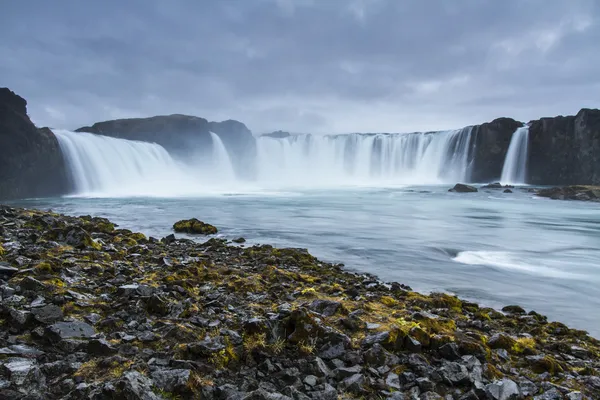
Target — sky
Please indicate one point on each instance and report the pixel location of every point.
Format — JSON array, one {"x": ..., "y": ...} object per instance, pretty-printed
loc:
[{"x": 320, "y": 66}]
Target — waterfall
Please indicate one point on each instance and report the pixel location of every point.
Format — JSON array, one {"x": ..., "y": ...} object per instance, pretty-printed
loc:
[
  {"x": 101, "y": 165},
  {"x": 514, "y": 170},
  {"x": 365, "y": 159},
  {"x": 106, "y": 166},
  {"x": 221, "y": 161}
]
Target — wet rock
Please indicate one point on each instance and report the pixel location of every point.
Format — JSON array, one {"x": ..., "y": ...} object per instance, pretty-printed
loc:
[
  {"x": 449, "y": 351},
  {"x": 25, "y": 375},
  {"x": 462, "y": 188},
  {"x": 262, "y": 394},
  {"x": 157, "y": 305},
  {"x": 7, "y": 271},
  {"x": 100, "y": 347},
  {"x": 392, "y": 381},
  {"x": 516, "y": 310},
  {"x": 430, "y": 396},
  {"x": 32, "y": 285},
  {"x": 454, "y": 373},
  {"x": 353, "y": 384},
  {"x": 48, "y": 314},
  {"x": 81, "y": 239},
  {"x": 507, "y": 191},
  {"x": 239, "y": 240},
  {"x": 68, "y": 330},
  {"x": 552, "y": 394},
  {"x": 194, "y": 226},
  {"x": 206, "y": 347},
  {"x": 326, "y": 308},
  {"x": 503, "y": 390},
  {"x": 132, "y": 386},
  {"x": 501, "y": 341},
  {"x": 171, "y": 380},
  {"x": 346, "y": 372}
]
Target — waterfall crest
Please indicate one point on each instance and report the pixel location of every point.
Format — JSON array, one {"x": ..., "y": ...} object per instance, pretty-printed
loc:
[
  {"x": 107, "y": 166},
  {"x": 366, "y": 159},
  {"x": 514, "y": 170}
]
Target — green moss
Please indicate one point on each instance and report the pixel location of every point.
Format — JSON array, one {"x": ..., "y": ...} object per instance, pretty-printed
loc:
[
  {"x": 138, "y": 237},
  {"x": 194, "y": 226},
  {"x": 44, "y": 267},
  {"x": 546, "y": 364},
  {"x": 2, "y": 251}
]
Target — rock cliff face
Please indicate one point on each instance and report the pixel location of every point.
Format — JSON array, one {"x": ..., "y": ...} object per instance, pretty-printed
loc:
[
  {"x": 183, "y": 135},
  {"x": 490, "y": 143},
  {"x": 31, "y": 163},
  {"x": 565, "y": 150}
]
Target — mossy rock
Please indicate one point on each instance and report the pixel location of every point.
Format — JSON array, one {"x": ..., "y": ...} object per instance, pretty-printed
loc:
[
  {"x": 539, "y": 365},
  {"x": 194, "y": 226}
]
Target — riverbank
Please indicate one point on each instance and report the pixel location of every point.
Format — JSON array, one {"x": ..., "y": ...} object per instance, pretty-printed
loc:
[{"x": 90, "y": 310}]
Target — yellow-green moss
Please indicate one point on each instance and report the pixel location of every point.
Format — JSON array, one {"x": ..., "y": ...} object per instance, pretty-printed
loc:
[
  {"x": 44, "y": 267},
  {"x": 546, "y": 364},
  {"x": 389, "y": 301},
  {"x": 523, "y": 344}
]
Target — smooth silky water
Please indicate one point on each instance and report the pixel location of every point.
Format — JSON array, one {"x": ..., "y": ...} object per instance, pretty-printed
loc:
[{"x": 377, "y": 203}]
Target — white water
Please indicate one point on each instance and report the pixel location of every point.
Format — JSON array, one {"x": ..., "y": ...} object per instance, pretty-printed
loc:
[
  {"x": 514, "y": 170},
  {"x": 222, "y": 166},
  {"x": 105, "y": 166},
  {"x": 101, "y": 165},
  {"x": 360, "y": 159}
]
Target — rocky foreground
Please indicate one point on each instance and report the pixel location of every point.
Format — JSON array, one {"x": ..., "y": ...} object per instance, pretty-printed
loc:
[{"x": 90, "y": 311}]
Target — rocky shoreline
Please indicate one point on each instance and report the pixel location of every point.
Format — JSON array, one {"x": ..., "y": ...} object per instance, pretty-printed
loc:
[{"x": 91, "y": 311}]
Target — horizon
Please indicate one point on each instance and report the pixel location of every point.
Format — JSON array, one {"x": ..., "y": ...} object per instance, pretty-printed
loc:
[{"x": 303, "y": 66}]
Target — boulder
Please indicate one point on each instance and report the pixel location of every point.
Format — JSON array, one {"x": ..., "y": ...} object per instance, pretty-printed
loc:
[
  {"x": 462, "y": 188},
  {"x": 69, "y": 330},
  {"x": 504, "y": 389},
  {"x": 194, "y": 226}
]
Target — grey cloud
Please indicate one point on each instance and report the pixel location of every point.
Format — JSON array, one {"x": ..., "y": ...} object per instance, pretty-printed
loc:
[{"x": 302, "y": 65}]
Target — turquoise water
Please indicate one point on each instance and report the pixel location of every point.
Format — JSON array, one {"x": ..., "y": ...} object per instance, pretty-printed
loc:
[{"x": 490, "y": 247}]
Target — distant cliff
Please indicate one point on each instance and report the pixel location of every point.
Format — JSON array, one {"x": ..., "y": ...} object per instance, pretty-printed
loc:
[
  {"x": 31, "y": 163},
  {"x": 184, "y": 135},
  {"x": 565, "y": 150}
]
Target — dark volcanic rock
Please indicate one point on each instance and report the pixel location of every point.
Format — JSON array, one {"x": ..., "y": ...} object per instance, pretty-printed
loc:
[
  {"x": 31, "y": 163},
  {"x": 462, "y": 188},
  {"x": 583, "y": 193},
  {"x": 565, "y": 150}
]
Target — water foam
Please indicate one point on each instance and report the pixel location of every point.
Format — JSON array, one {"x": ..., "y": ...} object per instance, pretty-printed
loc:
[{"x": 510, "y": 261}]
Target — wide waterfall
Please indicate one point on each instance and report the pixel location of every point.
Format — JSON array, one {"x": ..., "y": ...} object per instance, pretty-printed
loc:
[
  {"x": 514, "y": 170},
  {"x": 107, "y": 166},
  {"x": 366, "y": 159},
  {"x": 101, "y": 165}
]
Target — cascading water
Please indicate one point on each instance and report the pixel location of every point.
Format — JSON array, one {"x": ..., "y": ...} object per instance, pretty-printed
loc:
[
  {"x": 514, "y": 170},
  {"x": 107, "y": 166},
  {"x": 223, "y": 167},
  {"x": 366, "y": 159},
  {"x": 101, "y": 165}
]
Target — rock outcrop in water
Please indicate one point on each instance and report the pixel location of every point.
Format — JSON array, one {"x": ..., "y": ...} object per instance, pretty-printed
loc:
[
  {"x": 31, "y": 163},
  {"x": 89, "y": 311},
  {"x": 584, "y": 193},
  {"x": 565, "y": 150}
]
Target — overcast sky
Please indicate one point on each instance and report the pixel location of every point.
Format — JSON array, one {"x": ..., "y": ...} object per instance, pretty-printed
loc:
[{"x": 323, "y": 66}]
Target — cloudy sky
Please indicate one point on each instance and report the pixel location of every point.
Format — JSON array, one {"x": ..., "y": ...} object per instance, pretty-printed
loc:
[{"x": 302, "y": 65}]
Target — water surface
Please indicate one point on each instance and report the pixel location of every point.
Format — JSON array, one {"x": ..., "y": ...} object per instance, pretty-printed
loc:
[{"x": 491, "y": 247}]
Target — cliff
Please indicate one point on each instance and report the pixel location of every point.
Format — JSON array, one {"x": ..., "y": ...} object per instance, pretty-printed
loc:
[
  {"x": 31, "y": 163},
  {"x": 565, "y": 150},
  {"x": 489, "y": 144}
]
